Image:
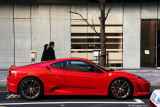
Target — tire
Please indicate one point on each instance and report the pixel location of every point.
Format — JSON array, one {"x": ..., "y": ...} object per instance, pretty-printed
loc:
[
  {"x": 121, "y": 89},
  {"x": 31, "y": 88}
]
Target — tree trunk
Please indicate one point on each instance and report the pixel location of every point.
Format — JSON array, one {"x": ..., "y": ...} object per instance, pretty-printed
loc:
[{"x": 102, "y": 34}]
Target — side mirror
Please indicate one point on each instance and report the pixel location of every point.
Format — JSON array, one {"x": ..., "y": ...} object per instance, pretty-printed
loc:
[{"x": 97, "y": 70}]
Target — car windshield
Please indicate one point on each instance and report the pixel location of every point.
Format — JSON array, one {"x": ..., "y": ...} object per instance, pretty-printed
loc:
[{"x": 103, "y": 68}]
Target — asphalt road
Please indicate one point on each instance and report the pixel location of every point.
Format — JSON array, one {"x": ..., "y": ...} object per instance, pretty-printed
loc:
[{"x": 10, "y": 100}]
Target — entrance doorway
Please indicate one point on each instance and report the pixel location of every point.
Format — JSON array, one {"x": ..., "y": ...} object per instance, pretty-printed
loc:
[
  {"x": 158, "y": 45},
  {"x": 148, "y": 43}
]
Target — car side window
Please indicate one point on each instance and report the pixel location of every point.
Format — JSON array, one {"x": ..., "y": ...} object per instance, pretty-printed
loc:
[
  {"x": 59, "y": 65},
  {"x": 79, "y": 66}
]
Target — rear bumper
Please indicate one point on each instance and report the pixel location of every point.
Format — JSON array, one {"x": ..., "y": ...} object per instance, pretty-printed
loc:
[{"x": 12, "y": 84}]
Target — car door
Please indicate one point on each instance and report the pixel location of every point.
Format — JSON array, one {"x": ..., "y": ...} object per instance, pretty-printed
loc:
[
  {"x": 56, "y": 76},
  {"x": 83, "y": 77}
]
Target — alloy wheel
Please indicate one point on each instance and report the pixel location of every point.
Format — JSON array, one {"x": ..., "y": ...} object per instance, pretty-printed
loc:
[
  {"x": 30, "y": 89},
  {"x": 120, "y": 89}
]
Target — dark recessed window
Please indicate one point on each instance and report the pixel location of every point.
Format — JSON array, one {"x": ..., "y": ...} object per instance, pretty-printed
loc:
[
  {"x": 80, "y": 66},
  {"x": 59, "y": 65}
]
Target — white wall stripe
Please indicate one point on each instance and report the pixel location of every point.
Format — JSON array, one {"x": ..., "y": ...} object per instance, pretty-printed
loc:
[{"x": 138, "y": 101}]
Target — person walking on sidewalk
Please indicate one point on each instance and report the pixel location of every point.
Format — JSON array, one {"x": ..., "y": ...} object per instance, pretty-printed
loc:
[
  {"x": 44, "y": 55},
  {"x": 50, "y": 52}
]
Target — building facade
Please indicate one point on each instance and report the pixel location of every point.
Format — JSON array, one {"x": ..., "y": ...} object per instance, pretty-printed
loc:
[{"x": 132, "y": 32}]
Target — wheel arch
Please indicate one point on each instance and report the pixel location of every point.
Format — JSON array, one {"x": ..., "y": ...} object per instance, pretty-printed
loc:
[
  {"x": 29, "y": 77},
  {"x": 121, "y": 78}
]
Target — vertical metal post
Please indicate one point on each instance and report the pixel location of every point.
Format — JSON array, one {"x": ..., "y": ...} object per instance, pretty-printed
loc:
[
  {"x": 14, "y": 36},
  {"x": 148, "y": 60},
  {"x": 98, "y": 56},
  {"x": 97, "y": 60},
  {"x": 144, "y": 60},
  {"x": 107, "y": 59}
]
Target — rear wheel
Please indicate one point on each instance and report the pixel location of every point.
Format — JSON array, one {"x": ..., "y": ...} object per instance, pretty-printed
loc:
[
  {"x": 121, "y": 89},
  {"x": 31, "y": 88}
]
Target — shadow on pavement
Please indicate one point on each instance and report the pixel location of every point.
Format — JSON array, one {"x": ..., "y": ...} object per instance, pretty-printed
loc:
[
  {"x": 144, "y": 97},
  {"x": 82, "y": 98}
]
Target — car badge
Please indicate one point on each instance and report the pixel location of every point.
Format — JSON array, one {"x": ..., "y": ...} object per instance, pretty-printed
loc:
[{"x": 110, "y": 74}]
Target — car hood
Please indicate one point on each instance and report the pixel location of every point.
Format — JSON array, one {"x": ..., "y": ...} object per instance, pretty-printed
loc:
[
  {"x": 117, "y": 70},
  {"x": 120, "y": 71}
]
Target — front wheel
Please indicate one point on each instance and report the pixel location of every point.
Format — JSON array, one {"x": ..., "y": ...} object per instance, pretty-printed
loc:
[
  {"x": 121, "y": 89},
  {"x": 31, "y": 88}
]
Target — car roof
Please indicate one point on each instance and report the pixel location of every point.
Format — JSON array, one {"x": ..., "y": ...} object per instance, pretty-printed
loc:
[
  {"x": 64, "y": 59},
  {"x": 50, "y": 62}
]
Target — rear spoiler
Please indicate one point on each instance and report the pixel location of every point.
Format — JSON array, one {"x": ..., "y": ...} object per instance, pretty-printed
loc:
[{"x": 13, "y": 66}]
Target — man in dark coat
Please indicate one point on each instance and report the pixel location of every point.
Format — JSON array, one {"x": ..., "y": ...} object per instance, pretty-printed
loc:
[{"x": 50, "y": 52}]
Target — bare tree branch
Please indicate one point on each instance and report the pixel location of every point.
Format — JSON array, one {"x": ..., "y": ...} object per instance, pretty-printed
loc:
[
  {"x": 109, "y": 9},
  {"x": 92, "y": 26}
]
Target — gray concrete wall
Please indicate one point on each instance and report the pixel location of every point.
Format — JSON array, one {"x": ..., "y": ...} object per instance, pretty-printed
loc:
[
  {"x": 61, "y": 29},
  {"x": 149, "y": 10},
  {"x": 22, "y": 41},
  {"x": 131, "y": 36},
  {"x": 115, "y": 13},
  {"x": 6, "y": 35},
  {"x": 25, "y": 27},
  {"x": 40, "y": 24},
  {"x": 33, "y": 25}
]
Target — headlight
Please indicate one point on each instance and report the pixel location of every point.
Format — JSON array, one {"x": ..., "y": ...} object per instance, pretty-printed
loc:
[{"x": 137, "y": 76}]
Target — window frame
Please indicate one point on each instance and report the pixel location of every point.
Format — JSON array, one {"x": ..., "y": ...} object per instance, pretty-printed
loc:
[
  {"x": 100, "y": 71},
  {"x": 63, "y": 66}
]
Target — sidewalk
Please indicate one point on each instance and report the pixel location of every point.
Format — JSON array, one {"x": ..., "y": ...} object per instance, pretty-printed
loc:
[
  {"x": 152, "y": 75},
  {"x": 3, "y": 79}
]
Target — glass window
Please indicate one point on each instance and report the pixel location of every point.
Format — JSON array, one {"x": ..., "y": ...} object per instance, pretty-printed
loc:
[
  {"x": 103, "y": 68},
  {"x": 80, "y": 66},
  {"x": 59, "y": 65}
]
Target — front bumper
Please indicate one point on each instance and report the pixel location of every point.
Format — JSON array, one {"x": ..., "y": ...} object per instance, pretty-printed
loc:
[{"x": 141, "y": 88}]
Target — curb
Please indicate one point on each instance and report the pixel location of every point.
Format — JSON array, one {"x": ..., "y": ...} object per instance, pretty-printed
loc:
[
  {"x": 158, "y": 71},
  {"x": 4, "y": 69},
  {"x": 3, "y": 88},
  {"x": 152, "y": 88}
]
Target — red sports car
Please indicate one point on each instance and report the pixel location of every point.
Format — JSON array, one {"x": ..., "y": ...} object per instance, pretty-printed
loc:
[{"x": 74, "y": 76}]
